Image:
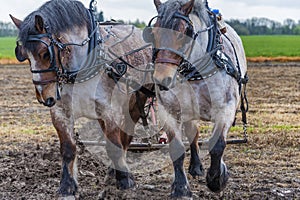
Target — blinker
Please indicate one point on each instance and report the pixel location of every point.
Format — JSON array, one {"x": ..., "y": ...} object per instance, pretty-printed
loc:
[
  {"x": 147, "y": 32},
  {"x": 19, "y": 53},
  {"x": 148, "y": 35}
]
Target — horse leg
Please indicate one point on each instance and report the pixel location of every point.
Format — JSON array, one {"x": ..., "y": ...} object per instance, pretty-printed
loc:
[
  {"x": 217, "y": 175},
  {"x": 117, "y": 155},
  {"x": 180, "y": 186},
  {"x": 124, "y": 177},
  {"x": 111, "y": 172},
  {"x": 120, "y": 143},
  {"x": 135, "y": 107},
  {"x": 195, "y": 167},
  {"x": 64, "y": 126}
]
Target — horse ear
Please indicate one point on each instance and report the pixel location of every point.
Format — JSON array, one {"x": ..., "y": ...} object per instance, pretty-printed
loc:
[
  {"x": 16, "y": 21},
  {"x": 188, "y": 7},
  {"x": 20, "y": 53},
  {"x": 39, "y": 24},
  {"x": 157, "y": 4}
]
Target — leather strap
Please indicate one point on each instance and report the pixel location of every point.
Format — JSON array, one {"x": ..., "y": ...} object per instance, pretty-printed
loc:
[{"x": 168, "y": 60}]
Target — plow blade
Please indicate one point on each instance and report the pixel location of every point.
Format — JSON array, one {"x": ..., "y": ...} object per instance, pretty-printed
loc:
[{"x": 136, "y": 146}]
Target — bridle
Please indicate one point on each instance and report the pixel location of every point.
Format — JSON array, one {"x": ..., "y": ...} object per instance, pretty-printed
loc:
[
  {"x": 62, "y": 75},
  {"x": 60, "y": 70},
  {"x": 53, "y": 65},
  {"x": 149, "y": 37},
  {"x": 190, "y": 32}
]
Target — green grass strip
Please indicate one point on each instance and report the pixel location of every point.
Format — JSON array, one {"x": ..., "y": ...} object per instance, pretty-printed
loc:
[
  {"x": 272, "y": 46},
  {"x": 7, "y": 47}
]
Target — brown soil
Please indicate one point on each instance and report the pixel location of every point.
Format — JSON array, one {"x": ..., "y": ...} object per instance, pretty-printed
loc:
[
  {"x": 267, "y": 167},
  {"x": 274, "y": 59}
]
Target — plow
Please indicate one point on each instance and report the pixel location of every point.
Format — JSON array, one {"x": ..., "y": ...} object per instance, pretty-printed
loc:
[{"x": 157, "y": 139}]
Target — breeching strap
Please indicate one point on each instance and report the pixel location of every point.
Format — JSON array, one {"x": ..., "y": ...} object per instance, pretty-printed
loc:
[{"x": 244, "y": 106}]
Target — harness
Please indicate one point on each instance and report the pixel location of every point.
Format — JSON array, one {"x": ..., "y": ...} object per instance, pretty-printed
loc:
[
  {"x": 115, "y": 66},
  {"x": 200, "y": 69}
]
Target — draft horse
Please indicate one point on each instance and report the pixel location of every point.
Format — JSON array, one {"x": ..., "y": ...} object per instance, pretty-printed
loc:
[
  {"x": 199, "y": 73},
  {"x": 78, "y": 68}
]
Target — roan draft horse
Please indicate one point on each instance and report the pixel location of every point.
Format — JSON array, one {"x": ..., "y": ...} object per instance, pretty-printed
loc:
[
  {"x": 199, "y": 73},
  {"x": 69, "y": 53}
]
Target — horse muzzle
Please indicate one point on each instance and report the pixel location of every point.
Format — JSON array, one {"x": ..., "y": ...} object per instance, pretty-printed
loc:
[
  {"x": 165, "y": 84},
  {"x": 46, "y": 96},
  {"x": 50, "y": 102},
  {"x": 165, "y": 76}
]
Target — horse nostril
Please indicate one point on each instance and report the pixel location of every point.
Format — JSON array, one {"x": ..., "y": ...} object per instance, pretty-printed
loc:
[
  {"x": 156, "y": 81},
  {"x": 163, "y": 88},
  {"x": 167, "y": 82},
  {"x": 50, "y": 102}
]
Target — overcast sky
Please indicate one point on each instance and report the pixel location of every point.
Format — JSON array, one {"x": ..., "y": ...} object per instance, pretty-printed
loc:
[{"x": 278, "y": 10}]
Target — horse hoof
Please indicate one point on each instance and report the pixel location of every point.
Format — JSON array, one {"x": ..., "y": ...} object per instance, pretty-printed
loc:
[
  {"x": 125, "y": 182},
  {"x": 217, "y": 182},
  {"x": 67, "y": 194},
  {"x": 110, "y": 176},
  {"x": 66, "y": 198},
  {"x": 181, "y": 191},
  {"x": 196, "y": 170},
  {"x": 67, "y": 188}
]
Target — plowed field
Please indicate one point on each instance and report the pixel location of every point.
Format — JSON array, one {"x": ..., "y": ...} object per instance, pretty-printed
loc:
[{"x": 267, "y": 167}]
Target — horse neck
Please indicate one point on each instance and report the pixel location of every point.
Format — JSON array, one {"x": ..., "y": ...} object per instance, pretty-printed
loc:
[
  {"x": 200, "y": 45},
  {"x": 78, "y": 53}
]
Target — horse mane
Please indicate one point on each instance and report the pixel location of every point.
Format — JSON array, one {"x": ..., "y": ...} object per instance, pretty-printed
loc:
[
  {"x": 58, "y": 15},
  {"x": 168, "y": 9}
]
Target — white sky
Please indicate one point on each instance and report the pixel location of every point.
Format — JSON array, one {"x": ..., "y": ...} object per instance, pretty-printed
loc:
[{"x": 278, "y": 10}]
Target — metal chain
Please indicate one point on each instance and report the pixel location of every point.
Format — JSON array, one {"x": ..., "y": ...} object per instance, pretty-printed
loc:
[{"x": 93, "y": 4}]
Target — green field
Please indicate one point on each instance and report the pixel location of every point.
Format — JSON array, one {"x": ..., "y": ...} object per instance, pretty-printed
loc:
[
  {"x": 7, "y": 47},
  {"x": 255, "y": 46},
  {"x": 272, "y": 46}
]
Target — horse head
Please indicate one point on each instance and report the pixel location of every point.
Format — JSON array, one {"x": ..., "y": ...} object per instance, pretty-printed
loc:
[
  {"x": 172, "y": 37},
  {"x": 47, "y": 40}
]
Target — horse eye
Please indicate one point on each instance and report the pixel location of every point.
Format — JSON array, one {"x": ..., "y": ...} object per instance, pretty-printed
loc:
[{"x": 46, "y": 56}]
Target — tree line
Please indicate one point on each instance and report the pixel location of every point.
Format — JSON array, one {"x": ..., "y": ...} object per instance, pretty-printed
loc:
[
  {"x": 264, "y": 26},
  {"x": 253, "y": 26},
  {"x": 8, "y": 29}
]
